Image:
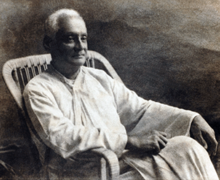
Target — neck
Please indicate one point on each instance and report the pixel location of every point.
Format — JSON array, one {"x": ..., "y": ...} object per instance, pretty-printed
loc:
[{"x": 70, "y": 72}]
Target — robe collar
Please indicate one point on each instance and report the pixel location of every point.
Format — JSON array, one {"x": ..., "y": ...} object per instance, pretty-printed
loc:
[{"x": 73, "y": 84}]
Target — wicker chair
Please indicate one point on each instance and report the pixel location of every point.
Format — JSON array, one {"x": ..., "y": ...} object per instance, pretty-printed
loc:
[{"x": 17, "y": 73}]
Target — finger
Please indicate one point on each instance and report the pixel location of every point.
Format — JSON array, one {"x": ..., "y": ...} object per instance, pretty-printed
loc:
[
  {"x": 164, "y": 139},
  {"x": 212, "y": 151},
  {"x": 198, "y": 136},
  {"x": 162, "y": 144},
  {"x": 162, "y": 133},
  {"x": 212, "y": 144},
  {"x": 156, "y": 148}
]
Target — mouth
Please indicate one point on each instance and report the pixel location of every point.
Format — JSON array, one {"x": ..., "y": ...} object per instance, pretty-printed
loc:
[{"x": 78, "y": 55}]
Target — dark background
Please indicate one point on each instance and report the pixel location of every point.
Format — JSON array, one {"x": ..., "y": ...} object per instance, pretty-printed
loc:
[{"x": 165, "y": 50}]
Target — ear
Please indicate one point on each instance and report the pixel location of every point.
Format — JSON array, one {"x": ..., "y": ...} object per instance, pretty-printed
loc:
[{"x": 47, "y": 43}]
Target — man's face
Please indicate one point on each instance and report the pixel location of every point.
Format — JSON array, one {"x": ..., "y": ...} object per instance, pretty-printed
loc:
[{"x": 70, "y": 46}]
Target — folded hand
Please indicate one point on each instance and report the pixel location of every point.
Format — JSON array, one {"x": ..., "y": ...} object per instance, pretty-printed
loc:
[{"x": 151, "y": 142}]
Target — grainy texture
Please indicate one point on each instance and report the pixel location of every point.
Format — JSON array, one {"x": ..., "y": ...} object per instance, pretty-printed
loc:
[{"x": 165, "y": 50}]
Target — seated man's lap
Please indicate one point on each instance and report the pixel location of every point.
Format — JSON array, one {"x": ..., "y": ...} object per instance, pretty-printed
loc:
[{"x": 182, "y": 156}]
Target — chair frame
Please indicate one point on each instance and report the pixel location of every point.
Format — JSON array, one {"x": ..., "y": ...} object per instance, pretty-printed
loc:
[{"x": 30, "y": 66}]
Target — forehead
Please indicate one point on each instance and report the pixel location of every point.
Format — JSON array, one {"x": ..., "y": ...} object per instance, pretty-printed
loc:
[{"x": 74, "y": 25}]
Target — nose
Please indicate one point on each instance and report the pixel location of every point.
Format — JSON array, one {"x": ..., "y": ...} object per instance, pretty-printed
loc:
[{"x": 79, "y": 44}]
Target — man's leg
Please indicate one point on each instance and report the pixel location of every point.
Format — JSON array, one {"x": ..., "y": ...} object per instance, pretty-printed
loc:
[
  {"x": 186, "y": 158},
  {"x": 182, "y": 158}
]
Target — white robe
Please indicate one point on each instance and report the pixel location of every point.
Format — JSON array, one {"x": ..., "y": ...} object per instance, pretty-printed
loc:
[{"x": 96, "y": 111}]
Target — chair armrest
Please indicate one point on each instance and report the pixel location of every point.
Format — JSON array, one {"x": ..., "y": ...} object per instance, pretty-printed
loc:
[{"x": 112, "y": 161}]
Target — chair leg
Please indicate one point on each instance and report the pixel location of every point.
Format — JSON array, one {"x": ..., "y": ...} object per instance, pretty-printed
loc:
[{"x": 104, "y": 175}]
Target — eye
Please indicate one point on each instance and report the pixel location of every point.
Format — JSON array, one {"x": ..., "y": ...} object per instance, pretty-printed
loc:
[
  {"x": 70, "y": 39},
  {"x": 84, "y": 38}
]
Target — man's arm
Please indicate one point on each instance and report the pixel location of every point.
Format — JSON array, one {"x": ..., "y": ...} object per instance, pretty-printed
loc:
[
  {"x": 148, "y": 115},
  {"x": 154, "y": 141}
]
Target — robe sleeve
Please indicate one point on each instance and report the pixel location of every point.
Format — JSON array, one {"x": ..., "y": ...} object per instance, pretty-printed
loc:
[
  {"x": 140, "y": 116},
  {"x": 59, "y": 133}
]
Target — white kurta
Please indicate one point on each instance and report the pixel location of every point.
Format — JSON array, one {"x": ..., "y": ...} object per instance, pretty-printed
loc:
[{"x": 95, "y": 111}]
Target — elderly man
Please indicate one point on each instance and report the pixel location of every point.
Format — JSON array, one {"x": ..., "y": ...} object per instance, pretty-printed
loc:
[{"x": 74, "y": 109}]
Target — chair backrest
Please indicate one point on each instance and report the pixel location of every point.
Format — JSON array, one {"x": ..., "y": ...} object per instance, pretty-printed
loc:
[{"x": 17, "y": 72}]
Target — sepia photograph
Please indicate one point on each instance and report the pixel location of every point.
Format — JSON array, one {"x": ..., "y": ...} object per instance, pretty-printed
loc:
[{"x": 109, "y": 90}]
